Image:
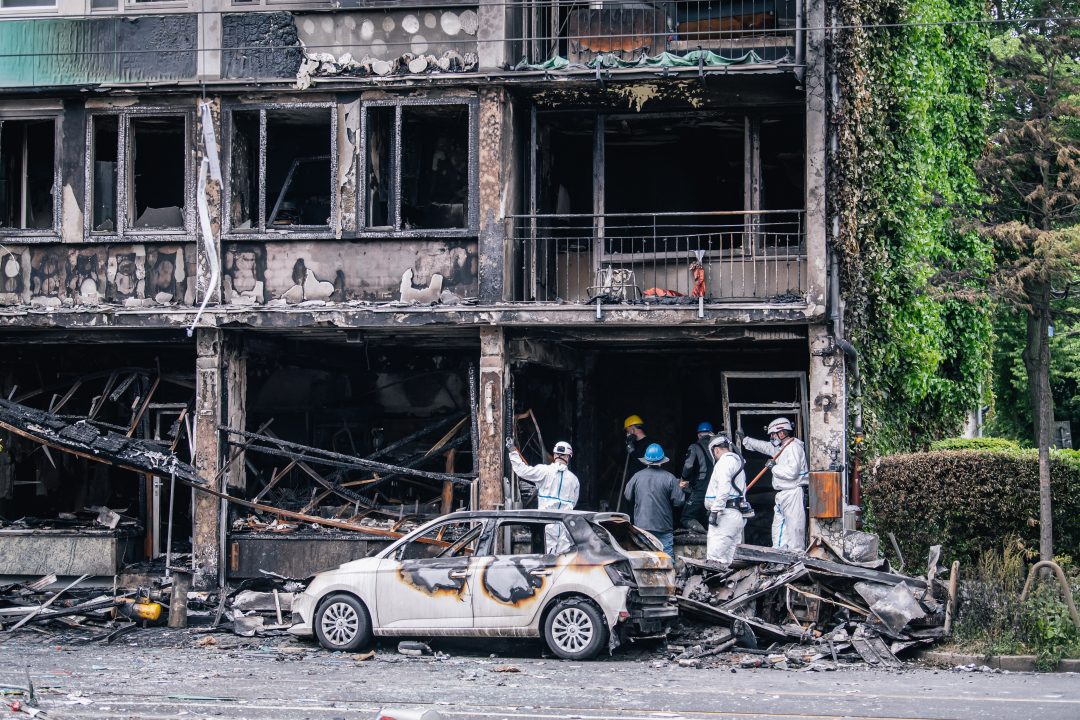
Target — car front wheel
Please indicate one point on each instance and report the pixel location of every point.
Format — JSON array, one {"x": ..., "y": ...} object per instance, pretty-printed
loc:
[
  {"x": 575, "y": 630},
  {"x": 342, "y": 623}
]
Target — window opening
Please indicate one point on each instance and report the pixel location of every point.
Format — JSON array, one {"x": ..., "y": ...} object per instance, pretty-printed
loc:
[
  {"x": 434, "y": 166},
  {"x": 157, "y": 157},
  {"x": 106, "y": 141},
  {"x": 26, "y": 3},
  {"x": 244, "y": 170},
  {"x": 380, "y": 167},
  {"x": 532, "y": 538},
  {"x": 298, "y": 182},
  {"x": 446, "y": 540},
  {"x": 27, "y": 173}
]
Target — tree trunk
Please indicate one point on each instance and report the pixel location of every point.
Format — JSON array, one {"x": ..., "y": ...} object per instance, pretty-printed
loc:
[{"x": 1037, "y": 362}]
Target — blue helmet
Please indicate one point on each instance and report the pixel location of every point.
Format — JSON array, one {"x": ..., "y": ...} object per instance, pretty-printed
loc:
[
  {"x": 705, "y": 427},
  {"x": 654, "y": 455}
]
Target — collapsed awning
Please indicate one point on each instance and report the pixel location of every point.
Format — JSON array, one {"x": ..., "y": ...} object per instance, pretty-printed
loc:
[{"x": 86, "y": 440}]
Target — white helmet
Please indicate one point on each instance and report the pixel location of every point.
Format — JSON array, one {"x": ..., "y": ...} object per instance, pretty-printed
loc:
[
  {"x": 562, "y": 448},
  {"x": 720, "y": 440},
  {"x": 779, "y": 424}
]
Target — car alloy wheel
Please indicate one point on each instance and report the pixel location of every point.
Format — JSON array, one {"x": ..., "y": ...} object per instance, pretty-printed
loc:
[
  {"x": 340, "y": 623},
  {"x": 572, "y": 630}
]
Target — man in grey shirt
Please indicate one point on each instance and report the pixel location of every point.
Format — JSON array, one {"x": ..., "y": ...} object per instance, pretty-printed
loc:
[{"x": 656, "y": 494}]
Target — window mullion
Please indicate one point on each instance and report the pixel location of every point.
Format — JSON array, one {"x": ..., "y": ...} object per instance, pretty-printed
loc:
[
  {"x": 262, "y": 170},
  {"x": 122, "y": 167},
  {"x": 397, "y": 167}
]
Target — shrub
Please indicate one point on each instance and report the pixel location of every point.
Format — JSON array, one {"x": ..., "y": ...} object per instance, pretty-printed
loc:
[
  {"x": 971, "y": 500},
  {"x": 991, "y": 619},
  {"x": 983, "y": 443}
]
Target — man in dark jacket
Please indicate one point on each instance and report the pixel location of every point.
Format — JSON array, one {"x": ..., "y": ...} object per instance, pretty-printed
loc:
[
  {"x": 655, "y": 495},
  {"x": 696, "y": 471}
]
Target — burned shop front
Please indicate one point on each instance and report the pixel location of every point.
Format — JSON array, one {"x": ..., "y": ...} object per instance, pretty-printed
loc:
[{"x": 321, "y": 445}]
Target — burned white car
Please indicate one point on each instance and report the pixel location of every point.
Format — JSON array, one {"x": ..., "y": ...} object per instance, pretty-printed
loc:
[{"x": 583, "y": 581}]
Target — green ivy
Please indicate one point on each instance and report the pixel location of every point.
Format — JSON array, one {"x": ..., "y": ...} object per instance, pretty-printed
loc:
[{"x": 911, "y": 124}]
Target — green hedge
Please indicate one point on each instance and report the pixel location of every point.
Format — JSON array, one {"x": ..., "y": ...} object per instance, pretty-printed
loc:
[
  {"x": 971, "y": 500},
  {"x": 983, "y": 443}
]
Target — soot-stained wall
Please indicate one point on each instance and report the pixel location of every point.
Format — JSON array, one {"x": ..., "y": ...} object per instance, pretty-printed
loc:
[
  {"x": 130, "y": 275},
  {"x": 81, "y": 51},
  {"x": 256, "y": 273},
  {"x": 260, "y": 45}
]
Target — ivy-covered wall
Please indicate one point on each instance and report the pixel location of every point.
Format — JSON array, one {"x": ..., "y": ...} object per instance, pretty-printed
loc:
[{"x": 910, "y": 123}]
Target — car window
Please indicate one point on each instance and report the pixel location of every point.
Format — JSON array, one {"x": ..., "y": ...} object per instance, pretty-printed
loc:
[
  {"x": 459, "y": 538},
  {"x": 532, "y": 538},
  {"x": 626, "y": 536}
]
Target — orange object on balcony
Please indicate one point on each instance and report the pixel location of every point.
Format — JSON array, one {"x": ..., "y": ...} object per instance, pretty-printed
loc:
[
  {"x": 663, "y": 293},
  {"x": 699, "y": 280}
]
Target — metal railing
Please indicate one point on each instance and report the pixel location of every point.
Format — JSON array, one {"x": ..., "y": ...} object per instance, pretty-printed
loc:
[
  {"x": 628, "y": 29},
  {"x": 673, "y": 257}
]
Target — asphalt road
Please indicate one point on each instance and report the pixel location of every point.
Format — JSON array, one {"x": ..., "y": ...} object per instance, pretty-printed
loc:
[{"x": 166, "y": 675}]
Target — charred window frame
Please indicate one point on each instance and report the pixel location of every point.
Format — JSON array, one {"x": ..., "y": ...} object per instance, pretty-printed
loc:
[
  {"x": 257, "y": 187},
  {"x": 395, "y": 198},
  {"x": 125, "y": 177},
  {"x": 30, "y": 175}
]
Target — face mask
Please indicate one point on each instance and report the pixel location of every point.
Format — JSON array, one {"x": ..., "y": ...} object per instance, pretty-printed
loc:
[{"x": 776, "y": 442}]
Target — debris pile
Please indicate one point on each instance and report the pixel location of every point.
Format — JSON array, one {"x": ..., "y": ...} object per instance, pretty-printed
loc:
[
  {"x": 105, "y": 614},
  {"x": 785, "y": 609}
]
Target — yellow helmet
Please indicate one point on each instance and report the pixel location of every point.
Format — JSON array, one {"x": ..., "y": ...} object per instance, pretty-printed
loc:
[{"x": 632, "y": 420}]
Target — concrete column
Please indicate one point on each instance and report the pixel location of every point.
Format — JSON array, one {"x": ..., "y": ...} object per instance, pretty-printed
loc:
[
  {"x": 213, "y": 199},
  {"x": 825, "y": 437},
  {"x": 491, "y": 36},
  {"x": 206, "y": 533},
  {"x": 234, "y": 372},
  {"x": 496, "y": 173},
  {"x": 817, "y": 258},
  {"x": 491, "y": 419},
  {"x": 208, "y": 63}
]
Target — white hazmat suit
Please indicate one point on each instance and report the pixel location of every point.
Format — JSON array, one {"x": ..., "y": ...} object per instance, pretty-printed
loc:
[
  {"x": 789, "y": 474},
  {"x": 556, "y": 489},
  {"x": 727, "y": 482}
]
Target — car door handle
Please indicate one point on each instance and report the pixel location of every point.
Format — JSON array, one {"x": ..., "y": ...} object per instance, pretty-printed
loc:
[
  {"x": 540, "y": 571},
  {"x": 458, "y": 574}
]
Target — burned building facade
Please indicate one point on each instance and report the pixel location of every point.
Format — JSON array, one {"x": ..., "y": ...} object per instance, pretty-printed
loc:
[{"x": 278, "y": 239}]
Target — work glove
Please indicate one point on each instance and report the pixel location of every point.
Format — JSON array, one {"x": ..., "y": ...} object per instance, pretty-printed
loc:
[
  {"x": 771, "y": 464},
  {"x": 509, "y": 444},
  {"x": 739, "y": 435},
  {"x": 629, "y": 443}
]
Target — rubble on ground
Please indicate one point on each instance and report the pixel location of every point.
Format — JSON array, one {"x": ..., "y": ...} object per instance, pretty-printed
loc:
[{"x": 834, "y": 604}]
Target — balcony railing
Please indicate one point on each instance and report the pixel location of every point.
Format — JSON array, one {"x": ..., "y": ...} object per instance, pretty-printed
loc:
[
  {"x": 629, "y": 30},
  {"x": 670, "y": 258}
]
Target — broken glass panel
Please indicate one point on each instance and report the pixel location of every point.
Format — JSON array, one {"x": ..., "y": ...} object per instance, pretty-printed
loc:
[
  {"x": 298, "y": 176},
  {"x": 157, "y": 157},
  {"x": 27, "y": 172},
  {"x": 105, "y": 142},
  {"x": 434, "y": 166},
  {"x": 244, "y": 170},
  {"x": 380, "y": 167}
]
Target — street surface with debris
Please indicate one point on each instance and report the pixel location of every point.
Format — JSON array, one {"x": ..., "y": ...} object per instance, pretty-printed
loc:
[{"x": 160, "y": 673}]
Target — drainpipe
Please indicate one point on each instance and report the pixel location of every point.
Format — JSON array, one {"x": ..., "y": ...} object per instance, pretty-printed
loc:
[{"x": 851, "y": 355}]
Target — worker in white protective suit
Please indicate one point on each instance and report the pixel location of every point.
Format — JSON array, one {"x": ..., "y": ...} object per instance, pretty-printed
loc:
[
  {"x": 789, "y": 476},
  {"x": 556, "y": 488},
  {"x": 727, "y": 486}
]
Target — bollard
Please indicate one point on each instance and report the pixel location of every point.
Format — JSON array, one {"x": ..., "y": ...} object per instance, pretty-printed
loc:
[{"x": 178, "y": 601}]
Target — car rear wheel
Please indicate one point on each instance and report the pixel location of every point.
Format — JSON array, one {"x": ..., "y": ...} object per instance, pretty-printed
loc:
[
  {"x": 575, "y": 629},
  {"x": 342, "y": 623}
]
